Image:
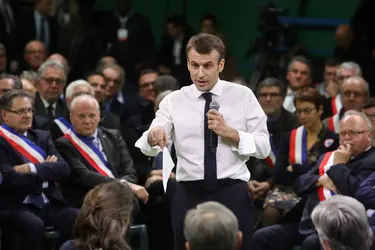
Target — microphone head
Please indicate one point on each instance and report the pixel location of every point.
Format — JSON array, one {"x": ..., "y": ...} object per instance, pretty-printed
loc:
[{"x": 214, "y": 105}]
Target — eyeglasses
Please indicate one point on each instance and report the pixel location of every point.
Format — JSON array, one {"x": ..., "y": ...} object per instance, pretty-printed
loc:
[
  {"x": 355, "y": 94},
  {"x": 352, "y": 132},
  {"x": 50, "y": 80},
  {"x": 147, "y": 84},
  {"x": 21, "y": 112},
  {"x": 271, "y": 95},
  {"x": 304, "y": 111}
]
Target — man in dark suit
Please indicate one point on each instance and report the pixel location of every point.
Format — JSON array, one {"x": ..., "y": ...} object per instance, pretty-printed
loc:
[
  {"x": 338, "y": 172},
  {"x": 52, "y": 79},
  {"x": 77, "y": 88},
  {"x": 95, "y": 155},
  {"x": 31, "y": 167}
]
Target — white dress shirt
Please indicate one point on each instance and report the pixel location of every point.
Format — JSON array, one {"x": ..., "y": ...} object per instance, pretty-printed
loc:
[
  {"x": 181, "y": 114},
  {"x": 289, "y": 101}
]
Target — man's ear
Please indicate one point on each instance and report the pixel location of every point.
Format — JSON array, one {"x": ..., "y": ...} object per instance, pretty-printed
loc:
[
  {"x": 239, "y": 240},
  {"x": 187, "y": 246},
  {"x": 221, "y": 65}
]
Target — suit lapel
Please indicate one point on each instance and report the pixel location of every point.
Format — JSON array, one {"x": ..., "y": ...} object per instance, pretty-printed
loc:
[{"x": 106, "y": 144}]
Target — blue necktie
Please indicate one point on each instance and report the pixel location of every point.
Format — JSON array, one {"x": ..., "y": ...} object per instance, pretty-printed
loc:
[
  {"x": 210, "y": 171},
  {"x": 159, "y": 161}
]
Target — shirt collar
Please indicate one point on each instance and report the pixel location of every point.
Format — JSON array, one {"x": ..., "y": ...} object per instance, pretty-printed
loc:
[
  {"x": 37, "y": 15},
  {"x": 120, "y": 97},
  {"x": 289, "y": 91},
  {"x": 46, "y": 104},
  {"x": 216, "y": 90}
]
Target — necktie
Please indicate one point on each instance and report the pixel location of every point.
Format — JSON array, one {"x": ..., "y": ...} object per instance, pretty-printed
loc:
[
  {"x": 42, "y": 34},
  {"x": 50, "y": 115},
  {"x": 210, "y": 175},
  {"x": 159, "y": 161}
]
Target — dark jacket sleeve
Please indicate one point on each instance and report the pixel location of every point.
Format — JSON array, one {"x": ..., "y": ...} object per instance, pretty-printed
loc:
[
  {"x": 126, "y": 171},
  {"x": 79, "y": 171},
  {"x": 366, "y": 192},
  {"x": 52, "y": 171},
  {"x": 307, "y": 182}
]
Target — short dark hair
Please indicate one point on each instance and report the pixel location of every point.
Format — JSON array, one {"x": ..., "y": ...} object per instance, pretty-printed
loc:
[
  {"x": 303, "y": 60},
  {"x": 205, "y": 44},
  {"x": 148, "y": 71},
  {"x": 309, "y": 94},
  {"x": 272, "y": 82},
  {"x": 210, "y": 17},
  {"x": 17, "y": 83},
  {"x": 332, "y": 62},
  {"x": 94, "y": 73},
  {"x": 164, "y": 83},
  {"x": 7, "y": 99},
  {"x": 370, "y": 104},
  {"x": 176, "y": 20}
]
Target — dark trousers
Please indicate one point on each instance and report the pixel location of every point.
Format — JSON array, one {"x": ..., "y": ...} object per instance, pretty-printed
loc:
[
  {"x": 29, "y": 222},
  {"x": 283, "y": 237},
  {"x": 234, "y": 196}
]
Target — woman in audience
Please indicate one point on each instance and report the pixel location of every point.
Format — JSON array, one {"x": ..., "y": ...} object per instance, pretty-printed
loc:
[
  {"x": 103, "y": 219},
  {"x": 298, "y": 152}
]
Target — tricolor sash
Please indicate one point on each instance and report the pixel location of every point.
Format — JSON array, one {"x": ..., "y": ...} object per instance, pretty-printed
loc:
[
  {"x": 334, "y": 123},
  {"x": 325, "y": 164},
  {"x": 90, "y": 152},
  {"x": 29, "y": 150},
  {"x": 298, "y": 146},
  {"x": 271, "y": 159},
  {"x": 63, "y": 124},
  {"x": 336, "y": 104}
]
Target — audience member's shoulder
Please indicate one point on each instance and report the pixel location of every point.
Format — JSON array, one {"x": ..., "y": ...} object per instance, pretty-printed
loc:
[
  {"x": 107, "y": 131},
  {"x": 40, "y": 133},
  {"x": 68, "y": 246}
]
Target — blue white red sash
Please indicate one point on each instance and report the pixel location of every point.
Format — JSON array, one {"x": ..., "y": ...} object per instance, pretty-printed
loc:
[
  {"x": 325, "y": 164},
  {"x": 298, "y": 146},
  {"x": 23, "y": 145},
  {"x": 336, "y": 104},
  {"x": 90, "y": 152},
  {"x": 63, "y": 124},
  {"x": 271, "y": 159},
  {"x": 334, "y": 123}
]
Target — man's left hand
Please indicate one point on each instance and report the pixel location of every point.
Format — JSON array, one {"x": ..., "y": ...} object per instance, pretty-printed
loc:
[
  {"x": 140, "y": 192},
  {"x": 22, "y": 169},
  {"x": 342, "y": 154},
  {"x": 217, "y": 123}
]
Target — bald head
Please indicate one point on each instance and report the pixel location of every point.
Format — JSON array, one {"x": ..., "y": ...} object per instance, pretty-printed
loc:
[
  {"x": 354, "y": 93},
  {"x": 60, "y": 58},
  {"x": 35, "y": 54},
  {"x": 344, "y": 35},
  {"x": 85, "y": 114}
]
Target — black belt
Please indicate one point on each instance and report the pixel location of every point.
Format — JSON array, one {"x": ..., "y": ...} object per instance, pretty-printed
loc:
[{"x": 221, "y": 182}]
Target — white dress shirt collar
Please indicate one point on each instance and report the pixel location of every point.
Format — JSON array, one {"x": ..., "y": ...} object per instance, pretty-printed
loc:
[
  {"x": 46, "y": 104},
  {"x": 216, "y": 90}
]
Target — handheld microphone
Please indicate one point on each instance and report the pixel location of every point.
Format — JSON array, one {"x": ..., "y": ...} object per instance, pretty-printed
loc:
[{"x": 213, "y": 136}]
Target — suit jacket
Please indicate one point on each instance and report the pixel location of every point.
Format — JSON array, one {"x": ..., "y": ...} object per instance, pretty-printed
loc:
[
  {"x": 40, "y": 122},
  {"x": 60, "y": 110},
  {"x": 16, "y": 187},
  {"x": 346, "y": 177},
  {"x": 366, "y": 192},
  {"x": 83, "y": 176},
  {"x": 126, "y": 109}
]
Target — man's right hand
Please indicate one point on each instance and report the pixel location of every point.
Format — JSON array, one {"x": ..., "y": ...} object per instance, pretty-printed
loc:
[{"x": 158, "y": 137}]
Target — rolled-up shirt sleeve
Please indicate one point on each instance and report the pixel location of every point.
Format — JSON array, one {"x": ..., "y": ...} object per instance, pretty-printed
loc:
[
  {"x": 162, "y": 119},
  {"x": 255, "y": 140}
]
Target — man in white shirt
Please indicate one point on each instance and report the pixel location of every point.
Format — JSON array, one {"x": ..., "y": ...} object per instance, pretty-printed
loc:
[{"x": 240, "y": 124}]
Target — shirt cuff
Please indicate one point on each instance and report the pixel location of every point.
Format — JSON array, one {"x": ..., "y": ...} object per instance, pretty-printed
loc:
[
  {"x": 246, "y": 145},
  {"x": 32, "y": 168},
  {"x": 145, "y": 147}
]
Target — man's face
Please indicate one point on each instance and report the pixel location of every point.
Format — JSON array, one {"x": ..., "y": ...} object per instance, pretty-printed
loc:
[
  {"x": 51, "y": 84},
  {"x": 308, "y": 114},
  {"x": 85, "y": 117},
  {"x": 5, "y": 86},
  {"x": 355, "y": 131},
  {"x": 124, "y": 6},
  {"x": 77, "y": 91},
  {"x": 204, "y": 69},
  {"x": 298, "y": 76},
  {"x": 208, "y": 27},
  {"x": 344, "y": 74},
  {"x": 330, "y": 73},
  {"x": 270, "y": 100},
  {"x": 3, "y": 60},
  {"x": 35, "y": 54},
  {"x": 146, "y": 86},
  {"x": 113, "y": 80},
  {"x": 370, "y": 112},
  {"x": 99, "y": 85},
  {"x": 44, "y": 7},
  {"x": 353, "y": 95},
  {"x": 20, "y": 115},
  {"x": 28, "y": 87}
]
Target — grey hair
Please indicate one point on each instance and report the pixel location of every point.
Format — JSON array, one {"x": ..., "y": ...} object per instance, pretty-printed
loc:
[
  {"x": 29, "y": 75},
  {"x": 114, "y": 67},
  {"x": 272, "y": 82},
  {"x": 342, "y": 222},
  {"x": 362, "y": 115},
  {"x": 211, "y": 226},
  {"x": 303, "y": 60},
  {"x": 161, "y": 96},
  {"x": 349, "y": 66},
  {"x": 166, "y": 82},
  {"x": 84, "y": 97},
  {"x": 51, "y": 64},
  {"x": 2, "y": 46},
  {"x": 357, "y": 79},
  {"x": 70, "y": 89}
]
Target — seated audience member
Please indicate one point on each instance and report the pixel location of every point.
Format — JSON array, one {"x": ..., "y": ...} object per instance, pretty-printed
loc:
[
  {"x": 31, "y": 76},
  {"x": 52, "y": 79},
  {"x": 338, "y": 172},
  {"x": 166, "y": 82},
  {"x": 107, "y": 60},
  {"x": 354, "y": 94},
  {"x": 369, "y": 110},
  {"x": 34, "y": 55},
  {"x": 62, "y": 124},
  {"x": 298, "y": 152},
  {"x": 211, "y": 226},
  {"x": 146, "y": 82},
  {"x": 329, "y": 87},
  {"x": 60, "y": 58},
  {"x": 333, "y": 105},
  {"x": 30, "y": 166},
  {"x": 109, "y": 207},
  {"x": 28, "y": 86},
  {"x": 341, "y": 223},
  {"x": 94, "y": 154},
  {"x": 9, "y": 82}
]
